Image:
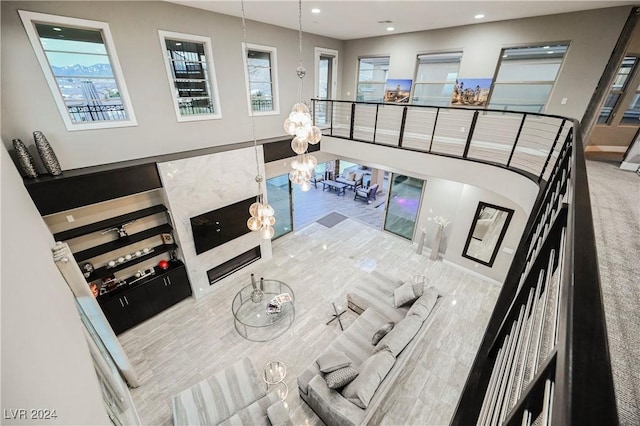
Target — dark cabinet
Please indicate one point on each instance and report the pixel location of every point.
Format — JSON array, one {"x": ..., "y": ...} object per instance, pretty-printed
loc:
[
  {"x": 143, "y": 300},
  {"x": 168, "y": 289}
]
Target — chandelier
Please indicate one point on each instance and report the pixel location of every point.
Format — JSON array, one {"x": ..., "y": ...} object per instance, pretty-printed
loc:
[
  {"x": 262, "y": 214},
  {"x": 300, "y": 125}
]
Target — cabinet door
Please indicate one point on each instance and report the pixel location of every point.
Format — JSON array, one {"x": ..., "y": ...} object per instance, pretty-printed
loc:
[
  {"x": 138, "y": 304},
  {"x": 159, "y": 293},
  {"x": 179, "y": 284},
  {"x": 117, "y": 314}
]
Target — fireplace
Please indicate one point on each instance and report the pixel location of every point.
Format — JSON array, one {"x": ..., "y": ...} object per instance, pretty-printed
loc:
[{"x": 230, "y": 266}]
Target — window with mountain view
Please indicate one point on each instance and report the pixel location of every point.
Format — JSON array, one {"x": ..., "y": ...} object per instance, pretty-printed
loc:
[
  {"x": 260, "y": 72},
  {"x": 189, "y": 63},
  {"x": 79, "y": 62}
]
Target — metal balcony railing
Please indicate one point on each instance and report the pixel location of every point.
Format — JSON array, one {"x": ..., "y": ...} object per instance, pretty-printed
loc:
[{"x": 544, "y": 358}]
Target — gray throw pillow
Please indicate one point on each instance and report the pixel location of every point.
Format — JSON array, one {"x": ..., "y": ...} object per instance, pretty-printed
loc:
[
  {"x": 341, "y": 377},
  {"x": 382, "y": 331},
  {"x": 403, "y": 295},
  {"x": 332, "y": 360}
]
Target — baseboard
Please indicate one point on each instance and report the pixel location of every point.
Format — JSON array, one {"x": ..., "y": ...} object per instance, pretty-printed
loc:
[
  {"x": 608, "y": 149},
  {"x": 629, "y": 166},
  {"x": 474, "y": 273}
]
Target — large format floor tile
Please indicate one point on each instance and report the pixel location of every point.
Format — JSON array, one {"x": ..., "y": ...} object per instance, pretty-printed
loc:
[{"x": 195, "y": 339}]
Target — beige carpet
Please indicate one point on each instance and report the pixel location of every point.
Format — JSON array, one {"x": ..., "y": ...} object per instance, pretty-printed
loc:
[{"x": 615, "y": 202}]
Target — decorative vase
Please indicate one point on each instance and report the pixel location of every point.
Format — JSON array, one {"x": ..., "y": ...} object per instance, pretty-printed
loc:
[
  {"x": 435, "y": 249},
  {"x": 25, "y": 159},
  {"x": 423, "y": 234},
  {"x": 47, "y": 155}
]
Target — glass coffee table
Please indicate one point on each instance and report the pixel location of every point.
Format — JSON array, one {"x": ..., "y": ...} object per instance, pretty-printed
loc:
[{"x": 250, "y": 315}]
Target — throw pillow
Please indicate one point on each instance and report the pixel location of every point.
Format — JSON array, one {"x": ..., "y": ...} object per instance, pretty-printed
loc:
[
  {"x": 332, "y": 361},
  {"x": 341, "y": 377},
  {"x": 403, "y": 295},
  {"x": 382, "y": 331},
  {"x": 352, "y": 176},
  {"x": 278, "y": 414}
]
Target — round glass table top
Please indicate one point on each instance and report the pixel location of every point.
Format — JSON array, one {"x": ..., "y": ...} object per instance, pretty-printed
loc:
[{"x": 255, "y": 318}]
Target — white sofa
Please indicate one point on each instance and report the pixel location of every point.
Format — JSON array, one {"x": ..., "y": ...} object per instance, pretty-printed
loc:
[
  {"x": 353, "y": 179},
  {"x": 356, "y": 402}
]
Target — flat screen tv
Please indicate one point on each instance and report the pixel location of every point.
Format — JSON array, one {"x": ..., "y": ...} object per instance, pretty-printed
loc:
[{"x": 222, "y": 225}]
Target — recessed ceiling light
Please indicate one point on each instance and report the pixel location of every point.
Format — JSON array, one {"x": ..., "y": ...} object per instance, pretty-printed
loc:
[
  {"x": 315, "y": 10},
  {"x": 57, "y": 29},
  {"x": 550, "y": 52},
  {"x": 479, "y": 16},
  {"x": 178, "y": 44},
  {"x": 546, "y": 47},
  {"x": 384, "y": 22},
  {"x": 390, "y": 28}
]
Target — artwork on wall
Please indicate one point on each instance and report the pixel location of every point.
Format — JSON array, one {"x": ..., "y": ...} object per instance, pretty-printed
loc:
[
  {"x": 397, "y": 91},
  {"x": 471, "y": 91}
]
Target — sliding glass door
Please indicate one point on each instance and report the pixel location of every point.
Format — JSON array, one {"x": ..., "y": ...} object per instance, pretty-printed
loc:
[
  {"x": 279, "y": 196},
  {"x": 404, "y": 201}
]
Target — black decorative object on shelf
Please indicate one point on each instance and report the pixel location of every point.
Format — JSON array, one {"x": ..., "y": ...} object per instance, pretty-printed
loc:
[
  {"x": 47, "y": 155},
  {"x": 25, "y": 160}
]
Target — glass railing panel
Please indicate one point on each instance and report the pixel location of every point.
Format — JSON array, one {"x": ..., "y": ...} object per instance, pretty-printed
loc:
[
  {"x": 388, "y": 124},
  {"x": 419, "y": 127},
  {"x": 452, "y": 130},
  {"x": 364, "y": 122},
  {"x": 494, "y": 136}
]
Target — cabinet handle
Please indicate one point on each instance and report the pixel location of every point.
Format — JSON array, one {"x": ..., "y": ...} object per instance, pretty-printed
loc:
[
  {"x": 125, "y": 299},
  {"x": 121, "y": 302},
  {"x": 169, "y": 280}
]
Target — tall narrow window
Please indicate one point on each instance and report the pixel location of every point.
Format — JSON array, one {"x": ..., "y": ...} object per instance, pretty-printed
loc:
[
  {"x": 372, "y": 77},
  {"x": 617, "y": 88},
  {"x": 435, "y": 78},
  {"x": 80, "y": 64},
  {"x": 260, "y": 71},
  {"x": 189, "y": 63},
  {"x": 526, "y": 76}
]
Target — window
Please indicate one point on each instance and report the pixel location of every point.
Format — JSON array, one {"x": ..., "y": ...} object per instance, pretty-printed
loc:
[
  {"x": 80, "y": 64},
  {"x": 435, "y": 78},
  {"x": 372, "y": 77},
  {"x": 632, "y": 113},
  {"x": 617, "y": 90},
  {"x": 191, "y": 72},
  {"x": 260, "y": 71},
  {"x": 526, "y": 76}
]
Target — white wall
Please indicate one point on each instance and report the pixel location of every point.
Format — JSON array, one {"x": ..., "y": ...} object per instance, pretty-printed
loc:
[
  {"x": 27, "y": 103},
  {"x": 45, "y": 359},
  {"x": 593, "y": 35}
]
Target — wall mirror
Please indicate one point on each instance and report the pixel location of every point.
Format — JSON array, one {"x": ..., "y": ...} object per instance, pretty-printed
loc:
[{"x": 487, "y": 231}]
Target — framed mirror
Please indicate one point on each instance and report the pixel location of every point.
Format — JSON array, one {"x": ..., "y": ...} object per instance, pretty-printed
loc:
[{"x": 487, "y": 231}]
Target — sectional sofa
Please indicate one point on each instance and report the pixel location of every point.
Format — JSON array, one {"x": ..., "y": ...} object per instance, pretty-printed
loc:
[{"x": 377, "y": 365}]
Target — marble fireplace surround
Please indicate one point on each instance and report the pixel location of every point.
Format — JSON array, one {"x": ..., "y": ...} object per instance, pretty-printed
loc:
[{"x": 200, "y": 184}]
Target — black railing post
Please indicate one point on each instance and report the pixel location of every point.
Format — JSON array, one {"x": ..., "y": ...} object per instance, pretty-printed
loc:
[
  {"x": 524, "y": 117},
  {"x": 353, "y": 119},
  {"x": 470, "y": 136},
  {"x": 331, "y": 115},
  {"x": 375, "y": 123},
  {"x": 555, "y": 142},
  {"x": 402, "y": 123},
  {"x": 433, "y": 132}
]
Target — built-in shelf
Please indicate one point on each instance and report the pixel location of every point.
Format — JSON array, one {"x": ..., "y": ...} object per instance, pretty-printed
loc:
[
  {"x": 108, "y": 223},
  {"x": 121, "y": 242},
  {"x": 106, "y": 271}
]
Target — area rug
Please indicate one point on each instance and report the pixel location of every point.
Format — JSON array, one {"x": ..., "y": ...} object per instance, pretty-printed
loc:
[{"x": 331, "y": 220}]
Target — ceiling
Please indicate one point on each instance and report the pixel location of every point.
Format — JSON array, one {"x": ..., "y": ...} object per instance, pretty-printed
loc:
[{"x": 353, "y": 19}]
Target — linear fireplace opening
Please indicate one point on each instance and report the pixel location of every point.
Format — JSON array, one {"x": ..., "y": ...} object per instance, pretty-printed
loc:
[{"x": 230, "y": 266}]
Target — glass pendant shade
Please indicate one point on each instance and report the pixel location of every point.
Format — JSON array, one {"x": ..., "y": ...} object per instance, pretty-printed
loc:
[
  {"x": 289, "y": 127},
  {"x": 299, "y": 146},
  {"x": 306, "y": 185},
  {"x": 300, "y": 107},
  {"x": 314, "y": 135},
  {"x": 253, "y": 223},
  {"x": 267, "y": 232}
]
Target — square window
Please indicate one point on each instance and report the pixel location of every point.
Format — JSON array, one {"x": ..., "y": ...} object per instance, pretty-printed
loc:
[
  {"x": 192, "y": 78},
  {"x": 372, "y": 77},
  {"x": 80, "y": 64}
]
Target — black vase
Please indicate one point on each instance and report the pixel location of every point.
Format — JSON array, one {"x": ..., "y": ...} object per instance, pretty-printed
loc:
[
  {"x": 47, "y": 155},
  {"x": 25, "y": 160}
]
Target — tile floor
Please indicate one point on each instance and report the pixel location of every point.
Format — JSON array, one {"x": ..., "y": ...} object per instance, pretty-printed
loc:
[{"x": 195, "y": 339}]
